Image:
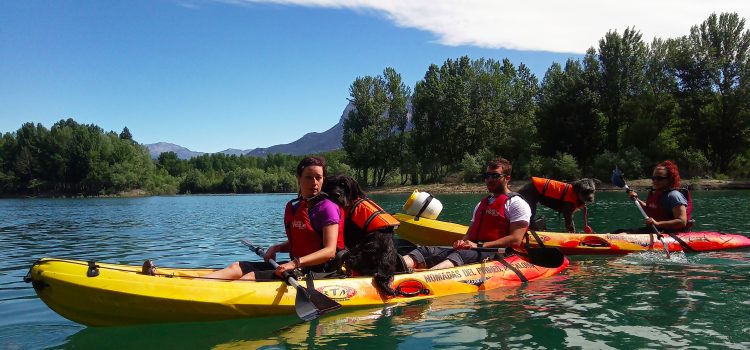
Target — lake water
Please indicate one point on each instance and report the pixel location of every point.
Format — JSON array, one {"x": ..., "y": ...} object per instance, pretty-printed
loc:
[{"x": 636, "y": 301}]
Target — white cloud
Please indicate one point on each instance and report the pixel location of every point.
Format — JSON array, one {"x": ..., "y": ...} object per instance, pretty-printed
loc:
[{"x": 555, "y": 25}]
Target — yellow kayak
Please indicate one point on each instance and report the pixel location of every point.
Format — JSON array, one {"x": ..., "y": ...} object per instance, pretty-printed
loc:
[{"x": 121, "y": 295}]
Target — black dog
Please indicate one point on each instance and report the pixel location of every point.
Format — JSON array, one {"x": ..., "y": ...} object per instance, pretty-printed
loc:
[
  {"x": 558, "y": 196},
  {"x": 368, "y": 232}
]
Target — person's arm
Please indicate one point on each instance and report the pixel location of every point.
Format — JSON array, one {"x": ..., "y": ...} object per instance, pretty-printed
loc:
[
  {"x": 328, "y": 252},
  {"x": 282, "y": 247},
  {"x": 634, "y": 195},
  {"x": 680, "y": 219},
  {"x": 517, "y": 231}
]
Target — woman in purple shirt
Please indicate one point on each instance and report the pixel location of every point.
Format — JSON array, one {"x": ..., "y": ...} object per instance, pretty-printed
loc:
[{"x": 313, "y": 226}]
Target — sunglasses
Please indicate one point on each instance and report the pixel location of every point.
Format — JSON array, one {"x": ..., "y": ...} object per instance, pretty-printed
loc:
[
  {"x": 494, "y": 176},
  {"x": 656, "y": 178}
]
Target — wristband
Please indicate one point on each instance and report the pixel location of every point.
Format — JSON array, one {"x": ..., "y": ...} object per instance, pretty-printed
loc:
[{"x": 297, "y": 263}]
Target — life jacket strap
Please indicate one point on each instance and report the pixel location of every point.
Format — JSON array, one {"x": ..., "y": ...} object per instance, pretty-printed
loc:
[
  {"x": 544, "y": 188},
  {"x": 564, "y": 191}
]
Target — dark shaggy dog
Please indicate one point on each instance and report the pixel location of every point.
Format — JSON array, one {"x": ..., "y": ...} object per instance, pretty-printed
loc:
[
  {"x": 370, "y": 253},
  {"x": 584, "y": 189}
]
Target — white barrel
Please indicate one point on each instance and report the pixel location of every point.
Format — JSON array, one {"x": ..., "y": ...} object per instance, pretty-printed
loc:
[{"x": 417, "y": 200}]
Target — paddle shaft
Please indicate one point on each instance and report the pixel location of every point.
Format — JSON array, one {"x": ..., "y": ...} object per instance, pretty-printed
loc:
[
  {"x": 653, "y": 227},
  {"x": 261, "y": 252}
]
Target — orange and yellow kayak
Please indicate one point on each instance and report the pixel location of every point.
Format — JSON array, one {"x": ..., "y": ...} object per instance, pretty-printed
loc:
[
  {"x": 102, "y": 294},
  {"x": 435, "y": 232}
]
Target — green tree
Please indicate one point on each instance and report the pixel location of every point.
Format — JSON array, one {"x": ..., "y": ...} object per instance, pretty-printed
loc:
[
  {"x": 622, "y": 62},
  {"x": 373, "y": 130},
  {"x": 568, "y": 118},
  {"x": 125, "y": 134},
  {"x": 172, "y": 164},
  {"x": 712, "y": 64}
]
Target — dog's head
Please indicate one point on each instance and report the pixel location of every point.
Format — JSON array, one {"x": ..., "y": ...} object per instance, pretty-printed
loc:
[
  {"x": 585, "y": 189},
  {"x": 342, "y": 189}
]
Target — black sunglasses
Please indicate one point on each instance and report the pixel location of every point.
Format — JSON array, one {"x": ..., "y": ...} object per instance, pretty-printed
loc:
[
  {"x": 655, "y": 178},
  {"x": 494, "y": 176}
]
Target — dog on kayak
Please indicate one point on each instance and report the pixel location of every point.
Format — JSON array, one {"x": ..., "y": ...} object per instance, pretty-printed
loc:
[
  {"x": 368, "y": 232},
  {"x": 561, "y": 197}
]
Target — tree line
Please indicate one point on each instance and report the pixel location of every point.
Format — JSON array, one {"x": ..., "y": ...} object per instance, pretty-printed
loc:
[
  {"x": 627, "y": 103},
  {"x": 72, "y": 159}
]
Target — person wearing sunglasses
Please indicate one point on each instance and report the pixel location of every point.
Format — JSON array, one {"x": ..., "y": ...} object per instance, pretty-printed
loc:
[
  {"x": 499, "y": 220},
  {"x": 668, "y": 206}
]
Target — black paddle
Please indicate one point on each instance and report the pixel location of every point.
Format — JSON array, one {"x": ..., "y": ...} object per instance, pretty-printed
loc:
[
  {"x": 544, "y": 257},
  {"x": 309, "y": 303},
  {"x": 619, "y": 181}
]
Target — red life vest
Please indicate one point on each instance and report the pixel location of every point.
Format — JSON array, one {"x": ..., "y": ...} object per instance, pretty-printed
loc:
[
  {"x": 303, "y": 239},
  {"x": 365, "y": 217},
  {"x": 656, "y": 210},
  {"x": 556, "y": 190},
  {"x": 490, "y": 222}
]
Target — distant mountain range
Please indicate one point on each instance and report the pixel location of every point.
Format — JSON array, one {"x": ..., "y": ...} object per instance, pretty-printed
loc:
[{"x": 314, "y": 142}]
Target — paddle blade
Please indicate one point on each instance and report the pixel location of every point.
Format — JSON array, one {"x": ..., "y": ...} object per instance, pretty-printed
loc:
[
  {"x": 588, "y": 229},
  {"x": 546, "y": 257},
  {"x": 304, "y": 306},
  {"x": 617, "y": 178},
  {"x": 323, "y": 303}
]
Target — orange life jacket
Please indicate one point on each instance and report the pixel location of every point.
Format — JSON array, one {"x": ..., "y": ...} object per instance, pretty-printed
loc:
[
  {"x": 556, "y": 190},
  {"x": 365, "y": 217},
  {"x": 303, "y": 238},
  {"x": 489, "y": 222}
]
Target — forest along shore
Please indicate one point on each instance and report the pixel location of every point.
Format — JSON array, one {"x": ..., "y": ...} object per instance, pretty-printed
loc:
[{"x": 640, "y": 184}]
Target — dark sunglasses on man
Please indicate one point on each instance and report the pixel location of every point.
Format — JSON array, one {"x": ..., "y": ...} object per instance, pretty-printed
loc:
[
  {"x": 494, "y": 176},
  {"x": 657, "y": 178}
]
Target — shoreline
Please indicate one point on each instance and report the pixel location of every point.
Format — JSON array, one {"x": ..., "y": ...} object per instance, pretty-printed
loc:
[{"x": 638, "y": 185}]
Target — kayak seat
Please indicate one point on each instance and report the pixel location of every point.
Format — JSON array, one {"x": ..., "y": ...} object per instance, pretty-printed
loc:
[{"x": 594, "y": 241}]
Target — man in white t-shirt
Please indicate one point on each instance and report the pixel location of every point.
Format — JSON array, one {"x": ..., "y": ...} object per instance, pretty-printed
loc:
[{"x": 499, "y": 220}]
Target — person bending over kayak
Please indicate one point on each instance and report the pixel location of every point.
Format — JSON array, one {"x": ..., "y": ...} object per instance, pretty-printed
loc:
[
  {"x": 499, "y": 220},
  {"x": 668, "y": 206},
  {"x": 314, "y": 230}
]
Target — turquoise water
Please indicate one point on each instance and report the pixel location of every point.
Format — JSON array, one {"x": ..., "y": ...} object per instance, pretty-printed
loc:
[{"x": 636, "y": 301}]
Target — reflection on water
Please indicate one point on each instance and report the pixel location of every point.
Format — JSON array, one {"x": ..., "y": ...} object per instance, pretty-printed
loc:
[{"x": 637, "y": 301}]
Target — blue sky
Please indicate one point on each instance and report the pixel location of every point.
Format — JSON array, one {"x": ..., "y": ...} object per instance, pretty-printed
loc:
[{"x": 212, "y": 75}]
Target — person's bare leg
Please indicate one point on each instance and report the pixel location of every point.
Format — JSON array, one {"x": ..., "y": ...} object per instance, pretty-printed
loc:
[
  {"x": 250, "y": 276},
  {"x": 445, "y": 264},
  {"x": 409, "y": 261},
  {"x": 231, "y": 272}
]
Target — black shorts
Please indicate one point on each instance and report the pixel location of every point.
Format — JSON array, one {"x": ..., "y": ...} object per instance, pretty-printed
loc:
[
  {"x": 265, "y": 271},
  {"x": 431, "y": 256}
]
